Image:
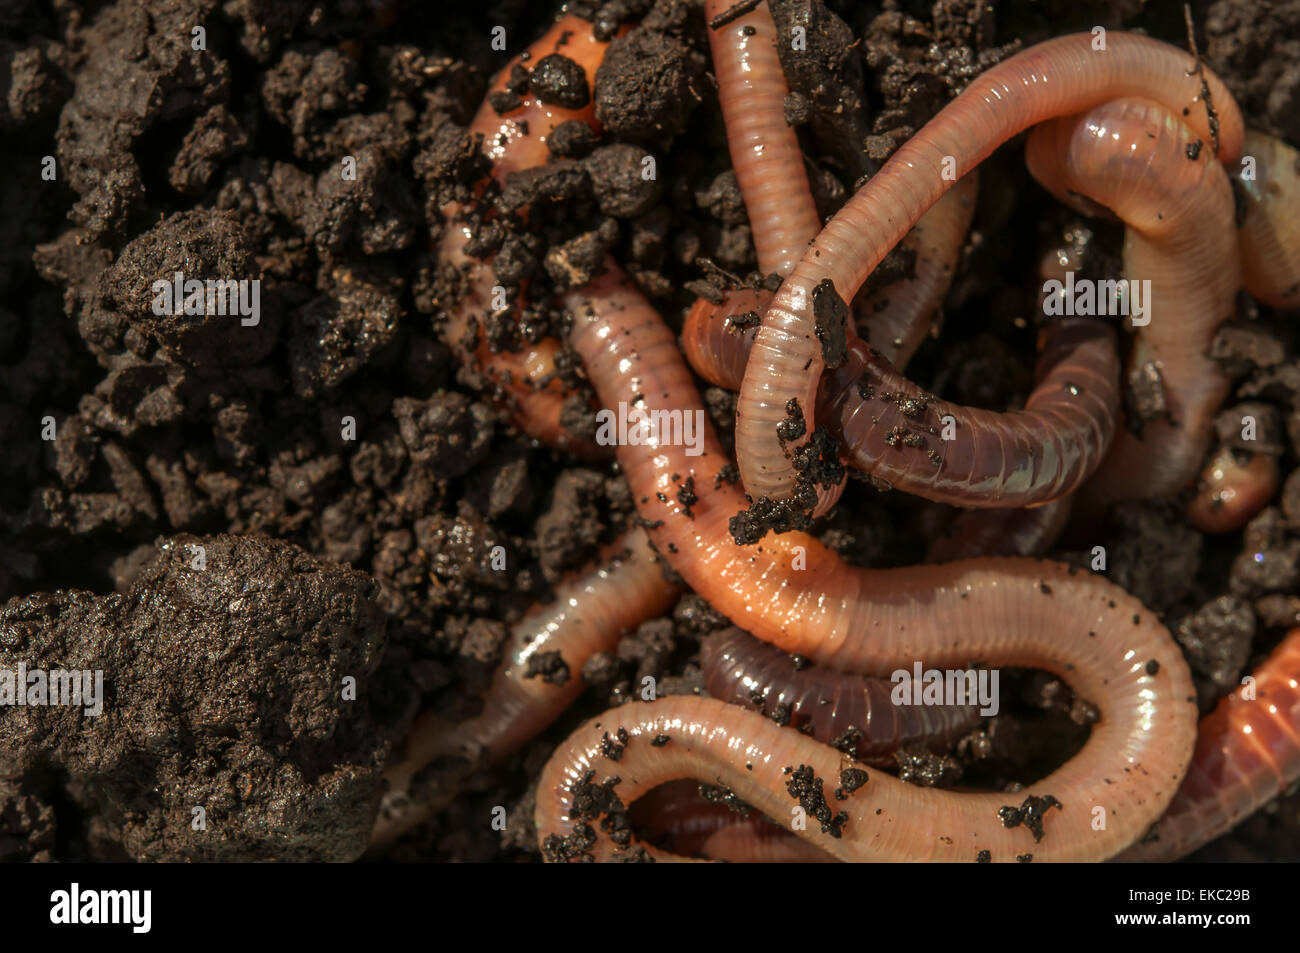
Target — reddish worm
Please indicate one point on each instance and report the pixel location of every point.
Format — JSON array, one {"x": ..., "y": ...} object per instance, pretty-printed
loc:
[
  {"x": 1138, "y": 159},
  {"x": 1058, "y": 77},
  {"x": 1247, "y": 753},
  {"x": 514, "y": 141},
  {"x": 997, "y": 611}
]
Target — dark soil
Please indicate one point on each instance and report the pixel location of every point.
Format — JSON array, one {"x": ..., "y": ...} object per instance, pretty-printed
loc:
[{"x": 347, "y": 483}]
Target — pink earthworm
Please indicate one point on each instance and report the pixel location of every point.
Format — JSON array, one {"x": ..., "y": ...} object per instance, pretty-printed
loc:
[
  {"x": 1270, "y": 233},
  {"x": 1139, "y": 160},
  {"x": 676, "y": 813},
  {"x": 1059, "y": 77},
  {"x": 1023, "y": 531},
  {"x": 994, "y": 611},
  {"x": 745, "y": 671},
  {"x": 1247, "y": 752},
  {"x": 513, "y": 141},
  {"x": 928, "y": 447},
  {"x": 896, "y": 319},
  {"x": 764, "y": 148},
  {"x": 1231, "y": 492},
  {"x": 591, "y": 611}
]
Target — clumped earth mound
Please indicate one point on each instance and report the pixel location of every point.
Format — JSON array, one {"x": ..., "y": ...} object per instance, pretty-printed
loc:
[
  {"x": 225, "y": 689},
  {"x": 339, "y": 432}
]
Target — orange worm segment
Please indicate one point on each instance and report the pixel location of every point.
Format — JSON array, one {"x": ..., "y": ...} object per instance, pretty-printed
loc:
[
  {"x": 764, "y": 149},
  {"x": 798, "y": 595},
  {"x": 1058, "y": 77},
  {"x": 515, "y": 141},
  {"x": 1139, "y": 160},
  {"x": 591, "y": 612},
  {"x": 1247, "y": 752},
  {"x": 1230, "y": 492}
]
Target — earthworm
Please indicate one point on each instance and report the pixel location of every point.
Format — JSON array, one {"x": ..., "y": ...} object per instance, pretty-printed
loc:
[
  {"x": 513, "y": 141},
  {"x": 677, "y": 814},
  {"x": 764, "y": 148},
  {"x": 928, "y": 447},
  {"x": 1247, "y": 752},
  {"x": 1058, "y": 77},
  {"x": 799, "y": 596},
  {"x": 896, "y": 319},
  {"x": 745, "y": 671},
  {"x": 1139, "y": 160},
  {"x": 591, "y": 611},
  {"x": 1270, "y": 233},
  {"x": 1231, "y": 492},
  {"x": 1022, "y": 531}
]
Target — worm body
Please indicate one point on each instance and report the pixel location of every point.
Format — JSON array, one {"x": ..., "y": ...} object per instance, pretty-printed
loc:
[
  {"x": 991, "y": 612},
  {"x": 745, "y": 671},
  {"x": 1270, "y": 234},
  {"x": 1023, "y": 531},
  {"x": 675, "y": 816},
  {"x": 515, "y": 141},
  {"x": 1139, "y": 160},
  {"x": 591, "y": 611},
  {"x": 896, "y": 319},
  {"x": 764, "y": 148},
  {"x": 928, "y": 447},
  {"x": 1055, "y": 78},
  {"x": 1247, "y": 752},
  {"x": 1231, "y": 492}
]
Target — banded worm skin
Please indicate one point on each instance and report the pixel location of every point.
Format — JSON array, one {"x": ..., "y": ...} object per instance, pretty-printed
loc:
[
  {"x": 745, "y": 671},
  {"x": 591, "y": 611},
  {"x": 942, "y": 451},
  {"x": 1059, "y": 77},
  {"x": 1247, "y": 753},
  {"x": 998, "y": 611},
  {"x": 896, "y": 319},
  {"x": 1141, "y": 161},
  {"x": 764, "y": 148}
]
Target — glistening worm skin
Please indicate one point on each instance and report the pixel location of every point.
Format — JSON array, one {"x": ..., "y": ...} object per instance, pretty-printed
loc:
[
  {"x": 1247, "y": 752},
  {"x": 1055, "y": 78},
  {"x": 515, "y": 141},
  {"x": 764, "y": 148},
  {"x": 1231, "y": 492},
  {"x": 740, "y": 669},
  {"x": 928, "y": 447},
  {"x": 994, "y": 611},
  {"x": 1138, "y": 159},
  {"x": 591, "y": 611},
  {"x": 896, "y": 319},
  {"x": 1270, "y": 234}
]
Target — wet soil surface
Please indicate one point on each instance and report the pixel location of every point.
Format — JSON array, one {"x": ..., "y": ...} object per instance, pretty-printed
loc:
[{"x": 273, "y": 532}]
